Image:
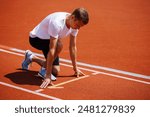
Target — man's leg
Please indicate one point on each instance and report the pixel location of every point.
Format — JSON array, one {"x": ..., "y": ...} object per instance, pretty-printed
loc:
[
  {"x": 56, "y": 66},
  {"x": 41, "y": 62},
  {"x": 45, "y": 50},
  {"x": 40, "y": 45}
]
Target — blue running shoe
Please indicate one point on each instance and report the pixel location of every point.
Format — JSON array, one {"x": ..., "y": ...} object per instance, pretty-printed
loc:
[
  {"x": 27, "y": 60},
  {"x": 42, "y": 73}
]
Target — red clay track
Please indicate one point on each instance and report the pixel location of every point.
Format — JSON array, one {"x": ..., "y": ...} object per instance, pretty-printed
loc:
[{"x": 117, "y": 37}]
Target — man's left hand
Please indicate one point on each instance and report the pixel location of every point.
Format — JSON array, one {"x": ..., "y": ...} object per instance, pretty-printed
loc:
[{"x": 79, "y": 73}]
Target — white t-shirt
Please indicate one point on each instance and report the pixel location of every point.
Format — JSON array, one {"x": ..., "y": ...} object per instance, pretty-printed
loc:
[{"x": 53, "y": 25}]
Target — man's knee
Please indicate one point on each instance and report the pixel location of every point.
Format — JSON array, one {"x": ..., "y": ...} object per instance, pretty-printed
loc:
[{"x": 56, "y": 70}]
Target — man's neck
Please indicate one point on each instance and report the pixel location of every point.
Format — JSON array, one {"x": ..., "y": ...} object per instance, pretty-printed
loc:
[{"x": 68, "y": 21}]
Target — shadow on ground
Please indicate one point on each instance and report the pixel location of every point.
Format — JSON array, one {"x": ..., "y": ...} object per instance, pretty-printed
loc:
[{"x": 24, "y": 77}]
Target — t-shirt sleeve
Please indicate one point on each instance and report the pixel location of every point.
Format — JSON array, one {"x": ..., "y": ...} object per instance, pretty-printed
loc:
[
  {"x": 74, "y": 32},
  {"x": 53, "y": 29}
]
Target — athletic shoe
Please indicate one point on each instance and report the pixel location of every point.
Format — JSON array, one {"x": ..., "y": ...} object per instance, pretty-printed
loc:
[
  {"x": 42, "y": 73},
  {"x": 28, "y": 59}
]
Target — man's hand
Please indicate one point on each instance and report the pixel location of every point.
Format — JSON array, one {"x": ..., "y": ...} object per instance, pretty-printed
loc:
[
  {"x": 79, "y": 73},
  {"x": 46, "y": 82}
]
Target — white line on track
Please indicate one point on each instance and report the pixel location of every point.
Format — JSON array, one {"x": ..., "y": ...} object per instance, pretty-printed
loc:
[
  {"x": 109, "y": 69},
  {"x": 29, "y": 91},
  {"x": 54, "y": 87},
  {"x": 18, "y": 54},
  {"x": 108, "y": 74},
  {"x": 69, "y": 81},
  {"x": 39, "y": 90},
  {"x": 2, "y": 50},
  {"x": 94, "y": 71},
  {"x": 90, "y": 70},
  {"x": 123, "y": 77},
  {"x": 88, "y": 65},
  {"x": 50, "y": 87}
]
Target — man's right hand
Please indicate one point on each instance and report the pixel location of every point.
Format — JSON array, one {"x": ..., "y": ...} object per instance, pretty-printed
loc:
[{"x": 46, "y": 82}]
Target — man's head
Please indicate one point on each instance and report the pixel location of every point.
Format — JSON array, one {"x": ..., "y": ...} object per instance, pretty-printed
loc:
[{"x": 78, "y": 18}]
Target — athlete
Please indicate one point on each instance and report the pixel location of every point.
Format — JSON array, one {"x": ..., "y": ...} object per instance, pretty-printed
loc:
[{"x": 47, "y": 36}]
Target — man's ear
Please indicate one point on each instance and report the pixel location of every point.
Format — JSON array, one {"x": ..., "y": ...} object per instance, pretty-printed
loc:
[{"x": 72, "y": 17}]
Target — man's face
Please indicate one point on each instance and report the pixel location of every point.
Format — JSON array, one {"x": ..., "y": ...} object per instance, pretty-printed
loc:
[{"x": 75, "y": 24}]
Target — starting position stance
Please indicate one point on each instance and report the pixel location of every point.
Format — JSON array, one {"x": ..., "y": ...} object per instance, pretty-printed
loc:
[{"x": 47, "y": 37}]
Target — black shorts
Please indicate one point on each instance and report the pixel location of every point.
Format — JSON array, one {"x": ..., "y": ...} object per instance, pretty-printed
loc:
[{"x": 43, "y": 45}]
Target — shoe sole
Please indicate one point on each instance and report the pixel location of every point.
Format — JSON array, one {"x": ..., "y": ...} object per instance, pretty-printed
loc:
[{"x": 25, "y": 59}]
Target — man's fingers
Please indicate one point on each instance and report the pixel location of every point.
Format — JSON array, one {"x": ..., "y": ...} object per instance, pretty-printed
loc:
[
  {"x": 52, "y": 83},
  {"x": 82, "y": 73},
  {"x": 76, "y": 74},
  {"x": 79, "y": 73},
  {"x": 45, "y": 83}
]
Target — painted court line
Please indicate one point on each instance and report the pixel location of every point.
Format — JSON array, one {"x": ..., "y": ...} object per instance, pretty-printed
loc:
[
  {"x": 29, "y": 91},
  {"x": 87, "y": 65}
]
